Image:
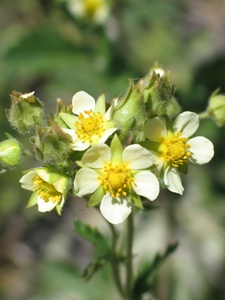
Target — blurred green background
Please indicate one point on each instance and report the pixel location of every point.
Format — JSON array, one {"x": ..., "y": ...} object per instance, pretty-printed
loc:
[{"x": 45, "y": 47}]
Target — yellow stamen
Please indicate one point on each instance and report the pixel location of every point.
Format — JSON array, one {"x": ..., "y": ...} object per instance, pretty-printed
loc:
[
  {"x": 92, "y": 5},
  {"x": 46, "y": 190},
  {"x": 116, "y": 180},
  {"x": 174, "y": 150},
  {"x": 89, "y": 126}
]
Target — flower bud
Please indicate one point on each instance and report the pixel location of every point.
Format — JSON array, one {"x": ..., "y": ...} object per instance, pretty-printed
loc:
[
  {"x": 147, "y": 99},
  {"x": 51, "y": 144},
  {"x": 25, "y": 113},
  {"x": 216, "y": 108},
  {"x": 10, "y": 152}
]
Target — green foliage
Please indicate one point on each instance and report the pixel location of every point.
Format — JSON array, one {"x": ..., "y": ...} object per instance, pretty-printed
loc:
[
  {"x": 93, "y": 236},
  {"x": 101, "y": 245},
  {"x": 143, "y": 281}
]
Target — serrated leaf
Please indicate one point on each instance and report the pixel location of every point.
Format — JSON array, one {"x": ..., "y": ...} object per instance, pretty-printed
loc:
[
  {"x": 92, "y": 235},
  {"x": 143, "y": 280}
]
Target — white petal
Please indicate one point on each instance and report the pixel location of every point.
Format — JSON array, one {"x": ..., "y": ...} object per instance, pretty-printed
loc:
[
  {"x": 27, "y": 181},
  {"x": 115, "y": 211},
  {"x": 43, "y": 173},
  {"x": 107, "y": 134},
  {"x": 71, "y": 133},
  {"x": 137, "y": 157},
  {"x": 82, "y": 101},
  {"x": 157, "y": 161},
  {"x": 97, "y": 156},
  {"x": 172, "y": 180},
  {"x": 79, "y": 145},
  {"x": 155, "y": 129},
  {"x": 187, "y": 123},
  {"x": 146, "y": 185},
  {"x": 76, "y": 144},
  {"x": 86, "y": 182},
  {"x": 201, "y": 149},
  {"x": 44, "y": 206}
]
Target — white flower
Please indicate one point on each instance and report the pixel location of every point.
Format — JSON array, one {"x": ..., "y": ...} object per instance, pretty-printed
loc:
[
  {"x": 49, "y": 188},
  {"x": 90, "y": 124},
  {"x": 93, "y": 10},
  {"x": 115, "y": 177},
  {"x": 172, "y": 149}
]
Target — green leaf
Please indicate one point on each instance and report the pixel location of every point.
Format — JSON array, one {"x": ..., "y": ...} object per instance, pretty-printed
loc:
[
  {"x": 143, "y": 280},
  {"x": 92, "y": 235},
  {"x": 93, "y": 267}
]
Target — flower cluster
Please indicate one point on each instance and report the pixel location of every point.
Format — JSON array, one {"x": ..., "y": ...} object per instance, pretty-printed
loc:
[{"x": 115, "y": 157}]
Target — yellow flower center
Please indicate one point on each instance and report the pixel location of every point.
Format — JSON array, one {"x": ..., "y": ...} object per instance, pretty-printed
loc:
[
  {"x": 92, "y": 5},
  {"x": 46, "y": 190},
  {"x": 174, "y": 150},
  {"x": 116, "y": 180},
  {"x": 89, "y": 126}
]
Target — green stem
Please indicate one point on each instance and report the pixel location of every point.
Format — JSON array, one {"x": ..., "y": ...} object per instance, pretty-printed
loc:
[
  {"x": 130, "y": 233},
  {"x": 114, "y": 262},
  {"x": 203, "y": 115}
]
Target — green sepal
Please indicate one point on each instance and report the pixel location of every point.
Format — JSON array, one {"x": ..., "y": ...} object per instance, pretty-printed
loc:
[
  {"x": 33, "y": 200},
  {"x": 100, "y": 104},
  {"x": 70, "y": 120},
  {"x": 96, "y": 197},
  {"x": 116, "y": 149},
  {"x": 151, "y": 146},
  {"x": 135, "y": 200},
  {"x": 143, "y": 281},
  {"x": 183, "y": 168}
]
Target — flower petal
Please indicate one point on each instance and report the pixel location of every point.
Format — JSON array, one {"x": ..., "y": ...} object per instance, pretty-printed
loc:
[
  {"x": 155, "y": 129},
  {"x": 158, "y": 162},
  {"x": 201, "y": 149},
  {"x": 137, "y": 157},
  {"x": 97, "y": 156},
  {"x": 107, "y": 134},
  {"x": 82, "y": 101},
  {"x": 43, "y": 173},
  {"x": 76, "y": 144},
  {"x": 44, "y": 206},
  {"x": 172, "y": 180},
  {"x": 27, "y": 181},
  {"x": 115, "y": 211},
  {"x": 86, "y": 182},
  {"x": 146, "y": 185},
  {"x": 187, "y": 123}
]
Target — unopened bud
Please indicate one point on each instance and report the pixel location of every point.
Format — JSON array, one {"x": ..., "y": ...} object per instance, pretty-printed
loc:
[
  {"x": 10, "y": 153},
  {"x": 25, "y": 113},
  {"x": 216, "y": 108}
]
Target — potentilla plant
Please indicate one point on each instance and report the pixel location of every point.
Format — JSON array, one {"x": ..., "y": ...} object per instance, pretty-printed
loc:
[{"x": 115, "y": 156}]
